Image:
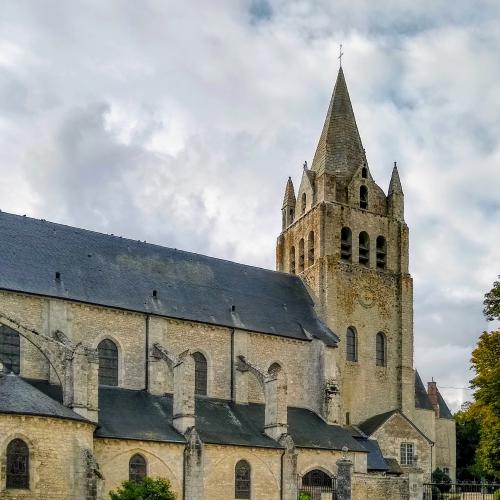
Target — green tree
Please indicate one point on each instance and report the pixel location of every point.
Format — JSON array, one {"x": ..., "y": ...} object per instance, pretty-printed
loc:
[
  {"x": 468, "y": 434},
  {"x": 492, "y": 302},
  {"x": 147, "y": 489}
]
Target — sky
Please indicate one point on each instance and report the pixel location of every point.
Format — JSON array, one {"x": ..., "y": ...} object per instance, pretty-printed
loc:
[{"x": 179, "y": 123}]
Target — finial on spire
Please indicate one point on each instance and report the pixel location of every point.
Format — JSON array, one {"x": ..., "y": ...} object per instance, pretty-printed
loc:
[
  {"x": 305, "y": 165},
  {"x": 340, "y": 55},
  {"x": 395, "y": 164}
]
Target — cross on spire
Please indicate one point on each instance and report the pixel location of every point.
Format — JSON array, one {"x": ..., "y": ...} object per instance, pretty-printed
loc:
[{"x": 340, "y": 55}]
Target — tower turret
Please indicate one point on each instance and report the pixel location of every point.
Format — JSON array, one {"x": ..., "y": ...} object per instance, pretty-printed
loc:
[
  {"x": 395, "y": 198},
  {"x": 289, "y": 202}
]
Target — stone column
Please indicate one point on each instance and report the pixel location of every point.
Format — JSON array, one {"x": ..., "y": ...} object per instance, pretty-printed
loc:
[
  {"x": 193, "y": 466},
  {"x": 184, "y": 402},
  {"x": 275, "y": 391},
  {"x": 288, "y": 469},
  {"x": 344, "y": 479}
]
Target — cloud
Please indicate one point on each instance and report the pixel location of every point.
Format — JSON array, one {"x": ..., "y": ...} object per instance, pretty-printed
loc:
[{"x": 179, "y": 123}]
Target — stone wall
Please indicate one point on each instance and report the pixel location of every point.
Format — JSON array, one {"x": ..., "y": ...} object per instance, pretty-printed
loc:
[
  {"x": 377, "y": 487},
  {"x": 446, "y": 447},
  {"x": 163, "y": 460},
  {"x": 57, "y": 456}
]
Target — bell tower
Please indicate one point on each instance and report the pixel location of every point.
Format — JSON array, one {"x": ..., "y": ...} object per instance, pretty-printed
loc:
[{"x": 348, "y": 241}]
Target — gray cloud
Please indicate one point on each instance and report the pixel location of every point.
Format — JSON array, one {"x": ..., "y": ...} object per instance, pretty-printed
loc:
[{"x": 179, "y": 123}]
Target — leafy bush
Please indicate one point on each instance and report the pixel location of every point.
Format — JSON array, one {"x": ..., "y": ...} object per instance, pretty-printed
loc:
[
  {"x": 147, "y": 489},
  {"x": 306, "y": 496},
  {"x": 496, "y": 495},
  {"x": 444, "y": 482}
]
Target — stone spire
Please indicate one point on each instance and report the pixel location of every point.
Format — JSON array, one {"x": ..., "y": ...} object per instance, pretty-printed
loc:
[
  {"x": 288, "y": 208},
  {"x": 340, "y": 150},
  {"x": 395, "y": 197},
  {"x": 289, "y": 194},
  {"x": 395, "y": 184}
]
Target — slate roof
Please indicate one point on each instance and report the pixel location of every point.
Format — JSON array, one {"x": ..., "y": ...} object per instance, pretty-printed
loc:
[
  {"x": 444, "y": 411},
  {"x": 117, "y": 272},
  {"x": 370, "y": 425},
  {"x": 422, "y": 400},
  {"x": 375, "y": 461},
  {"x": 19, "y": 397},
  {"x": 129, "y": 414}
]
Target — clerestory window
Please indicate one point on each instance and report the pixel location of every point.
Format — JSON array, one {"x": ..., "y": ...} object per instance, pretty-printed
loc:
[{"x": 108, "y": 362}]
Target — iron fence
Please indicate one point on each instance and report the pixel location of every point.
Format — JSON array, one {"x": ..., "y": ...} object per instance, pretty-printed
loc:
[
  {"x": 461, "y": 491},
  {"x": 318, "y": 492}
]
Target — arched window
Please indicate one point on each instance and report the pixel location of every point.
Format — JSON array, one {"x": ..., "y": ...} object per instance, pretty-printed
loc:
[
  {"x": 381, "y": 252},
  {"x": 292, "y": 260},
  {"x": 108, "y": 362},
  {"x": 274, "y": 369},
  {"x": 200, "y": 374},
  {"x": 317, "y": 477},
  {"x": 18, "y": 465},
  {"x": 364, "y": 173},
  {"x": 10, "y": 352},
  {"x": 242, "y": 481},
  {"x": 346, "y": 244},
  {"x": 303, "y": 203},
  {"x": 380, "y": 350},
  {"x": 310, "y": 249},
  {"x": 137, "y": 469},
  {"x": 301, "y": 255},
  {"x": 364, "y": 249},
  {"x": 351, "y": 345},
  {"x": 363, "y": 197}
]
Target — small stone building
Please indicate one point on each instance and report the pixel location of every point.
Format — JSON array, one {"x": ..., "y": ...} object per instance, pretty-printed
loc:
[{"x": 123, "y": 359}]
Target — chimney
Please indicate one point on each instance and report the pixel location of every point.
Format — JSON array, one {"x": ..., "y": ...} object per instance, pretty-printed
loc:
[{"x": 432, "y": 392}]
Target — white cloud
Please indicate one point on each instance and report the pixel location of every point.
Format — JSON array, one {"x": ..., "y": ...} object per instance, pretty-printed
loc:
[{"x": 179, "y": 123}]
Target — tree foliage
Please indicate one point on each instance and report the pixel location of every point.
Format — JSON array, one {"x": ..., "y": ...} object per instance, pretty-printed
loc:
[
  {"x": 468, "y": 434},
  {"x": 147, "y": 489},
  {"x": 492, "y": 302}
]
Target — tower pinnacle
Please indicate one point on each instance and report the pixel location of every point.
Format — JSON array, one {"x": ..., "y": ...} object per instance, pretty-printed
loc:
[{"x": 395, "y": 184}]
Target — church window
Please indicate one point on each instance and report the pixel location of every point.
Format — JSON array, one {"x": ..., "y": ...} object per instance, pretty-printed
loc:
[
  {"x": 364, "y": 249},
  {"x": 18, "y": 465},
  {"x": 364, "y": 173},
  {"x": 303, "y": 203},
  {"x": 351, "y": 345},
  {"x": 346, "y": 244},
  {"x": 407, "y": 454},
  {"x": 301, "y": 255},
  {"x": 10, "y": 352},
  {"x": 363, "y": 197},
  {"x": 200, "y": 374},
  {"x": 108, "y": 362},
  {"x": 317, "y": 477},
  {"x": 310, "y": 249},
  {"x": 292, "y": 260},
  {"x": 381, "y": 252},
  {"x": 242, "y": 480},
  {"x": 347, "y": 418},
  {"x": 274, "y": 369},
  {"x": 380, "y": 350},
  {"x": 137, "y": 468}
]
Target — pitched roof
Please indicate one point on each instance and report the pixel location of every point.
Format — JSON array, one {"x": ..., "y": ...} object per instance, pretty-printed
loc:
[
  {"x": 422, "y": 400},
  {"x": 117, "y": 272},
  {"x": 340, "y": 150},
  {"x": 375, "y": 461},
  {"x": 130, "y": 414},
  {"x": 444, "y": 411},
  {"x": 19, "y": 397},
  {"x": 370, "y": 425}
]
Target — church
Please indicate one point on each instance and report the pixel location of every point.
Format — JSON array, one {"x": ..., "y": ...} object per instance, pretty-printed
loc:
[{"x": 122, "y": 359}]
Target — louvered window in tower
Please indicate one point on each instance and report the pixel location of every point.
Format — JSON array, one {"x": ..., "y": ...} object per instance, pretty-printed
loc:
[
  {"x": 310, "y": 249},
  {"x": 292, "y": 260},
  {"x": 363, "y": 197},
  {"x": 303, "y": 203},
  {"x": 380, "y": 350},
  {"x": 10, "y": 352},
  {"x": 108, "y": 362},
  {"x": 200, "y": 374},
  {"x": 364, "y": 249},
  {"x": 381, "y": 252},
  {"x": 301, "y": 255},
  {"x": 346, "y": 244},
  {"x": 18, "y": 467},
  {"x": 242, "y": 480}
]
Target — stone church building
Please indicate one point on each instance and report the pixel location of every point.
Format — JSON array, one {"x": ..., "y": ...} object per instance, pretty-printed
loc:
[{"x": 122, "y": 359}]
